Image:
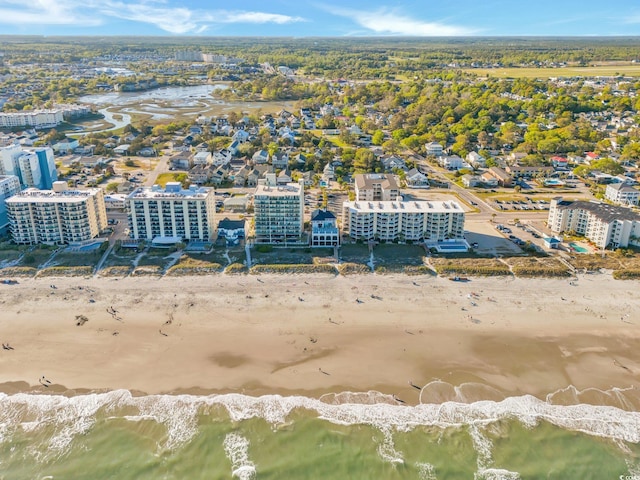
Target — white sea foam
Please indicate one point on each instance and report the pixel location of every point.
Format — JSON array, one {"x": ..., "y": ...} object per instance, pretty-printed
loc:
[
  {"x": 71, "y": 416},
  {"x": 426, "y": 471},
  {"x": 236, "y": 447},
  {"x": 387, "y": 449},
  {"x": 496, "y": 474}
]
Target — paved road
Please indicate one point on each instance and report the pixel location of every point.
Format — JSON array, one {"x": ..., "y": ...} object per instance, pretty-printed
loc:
[{"x": 161, "y": 167}]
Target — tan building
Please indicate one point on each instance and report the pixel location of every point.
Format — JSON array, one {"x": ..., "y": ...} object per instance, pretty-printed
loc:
[
  {"x": 398, "y": 220},
  {"x": 171, "y": 214},
  {"x": 279, "y": 211},
  {"x": 58, "y": 216},
  {"x": 375, "y": 187}
]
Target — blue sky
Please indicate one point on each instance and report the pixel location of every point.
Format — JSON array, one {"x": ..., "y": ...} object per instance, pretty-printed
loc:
[{"x": 321, "y": 18}]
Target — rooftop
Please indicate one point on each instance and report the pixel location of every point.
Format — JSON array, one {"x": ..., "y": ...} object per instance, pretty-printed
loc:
[
  {"x": 405, "y": 207},
  {"x": 603, "y": 211},
  {"x": 33, "y": 195},
  {"x": 172, "y": 190},
  {"x": 368, "y": 180},
  {"x": 288, "y": 190}
]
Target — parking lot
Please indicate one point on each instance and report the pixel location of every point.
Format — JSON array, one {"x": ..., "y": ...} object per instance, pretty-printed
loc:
[{"x": 521, "y": 204}]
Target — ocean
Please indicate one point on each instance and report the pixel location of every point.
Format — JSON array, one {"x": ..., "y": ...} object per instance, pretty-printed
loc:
[{"x": 117, "y": 435}]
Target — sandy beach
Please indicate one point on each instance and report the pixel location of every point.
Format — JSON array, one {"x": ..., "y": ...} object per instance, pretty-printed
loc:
[{"x": 316, "y": 335}]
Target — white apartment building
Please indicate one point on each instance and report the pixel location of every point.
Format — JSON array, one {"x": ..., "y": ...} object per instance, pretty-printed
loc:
[
  {"x": 58, "y": 216},
  {"x": 373, "y": 187},
  {"x": 398, "y": 220},
  {"x": 9, "y": 186},
  {"x": 31, "y": 118},
  {"x": 279, "y": 211},
  {"x": 607, "y": 226},
  {"x": 34, "y": 167},
  {"x": 622, "y": 194},
  {"x": 171, "y": 214}
]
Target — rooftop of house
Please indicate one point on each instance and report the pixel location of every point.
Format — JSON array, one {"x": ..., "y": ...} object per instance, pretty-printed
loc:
[{"x": 321, "y": 215}]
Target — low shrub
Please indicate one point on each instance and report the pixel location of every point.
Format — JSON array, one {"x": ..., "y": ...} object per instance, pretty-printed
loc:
[
  {"x": 293, "y": 268},
  {"x": 353, "y": 269},
  {"x": 626, "y": 274},
  {"x": 236, "y": 268},
  {"x": 61, "y": 271}
]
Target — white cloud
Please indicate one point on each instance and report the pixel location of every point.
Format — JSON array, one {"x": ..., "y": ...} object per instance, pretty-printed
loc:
[
  {"x": 258, "y": 17},
  {"x": 178, "y": 20},
  {"x": 43, "y": 12},
  {"x": 386, "y": 21}
]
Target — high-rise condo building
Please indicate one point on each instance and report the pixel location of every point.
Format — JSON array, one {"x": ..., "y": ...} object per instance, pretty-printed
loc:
[
  {"x": 171, "y": 214},
  {"x": 58, "y": 216}
]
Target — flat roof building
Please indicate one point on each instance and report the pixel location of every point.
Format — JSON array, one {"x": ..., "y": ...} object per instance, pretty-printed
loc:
[
  {"x": 58, "y": 216},
  {"x": 9, "y": 186},
  {"x": 607, "y": 226},
  {"x": 157, "y": 213},
  {"x": 398, "y": 220},
  {"x": 279, "y": 211}
]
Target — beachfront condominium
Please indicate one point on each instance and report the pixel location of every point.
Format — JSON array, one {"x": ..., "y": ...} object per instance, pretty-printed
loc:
[
  {"x": 35, "y": 167},
  {"x": 279, "y": 211},
  {"x": 32, "y": 118},
  {"x": 9, "y": 186},
  {"x": 171, "y": 214},
  {"x": 404, "y": 221},
  {"x": 376, "y": 187},
  {"x": 607, "y": 226},
  {"x": 58, "y": 216}
]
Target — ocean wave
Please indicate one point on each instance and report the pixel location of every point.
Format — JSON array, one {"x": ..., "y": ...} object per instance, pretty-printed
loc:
[
  {"x": 236, "y": 447},
  {"x": 68, "y": 417}
]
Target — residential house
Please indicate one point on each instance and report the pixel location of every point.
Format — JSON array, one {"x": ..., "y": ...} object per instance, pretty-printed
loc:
[
  {"x": 434, "y": 148},
  {"x": 202, "y": 158},
  {"x": 284, "y": 177},
  {"x": 66, "y": 146},
  {"x": 476, "y": 160},
  {"x": 280, "y": 160},
  {"x": 416, "y": 179},
  {"x": 470, "y": 181},
  {"x": 621, "y": 194},
  {"x": 221, "y": 157},
  {"x": 180, "y": 161},
  {"x": 231, "y": 230},
  {"x": 200, "y": 174},
  {"x": 488, "y": 180},
  {"x": 260, "y": 157},
  {"x": 559, "y": 163},
  {"x": 122, "y": 149},
  {"x": 453, "y": 162},
  {"x": 240, "y": 136},
  {"x": 391, "y": 162},
  {"x": 324, "y": 229},
  {"x": 240, "y": 178}
]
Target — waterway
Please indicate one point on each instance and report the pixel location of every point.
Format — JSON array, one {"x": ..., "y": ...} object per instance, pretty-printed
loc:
[{"x": 166, "y": 104}]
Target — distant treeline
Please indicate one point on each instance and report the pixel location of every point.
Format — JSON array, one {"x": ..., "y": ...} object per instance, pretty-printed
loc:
[{"x": 372, "y": 57}]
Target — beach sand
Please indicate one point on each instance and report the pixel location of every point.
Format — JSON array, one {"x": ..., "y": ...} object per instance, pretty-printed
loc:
[{"x": 316, "y": 335}]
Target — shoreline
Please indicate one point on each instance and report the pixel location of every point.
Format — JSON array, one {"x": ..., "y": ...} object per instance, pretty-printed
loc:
[{"x": 313, "y": 335}]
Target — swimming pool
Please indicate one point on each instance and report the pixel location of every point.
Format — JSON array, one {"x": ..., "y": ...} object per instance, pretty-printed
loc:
[
  {"x": 578, "y": 248},
  {"x": 90, "y": 247}
]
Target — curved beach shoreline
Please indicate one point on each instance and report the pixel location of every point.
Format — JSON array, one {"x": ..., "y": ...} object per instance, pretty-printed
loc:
[{"x": 315, "y": 335}]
